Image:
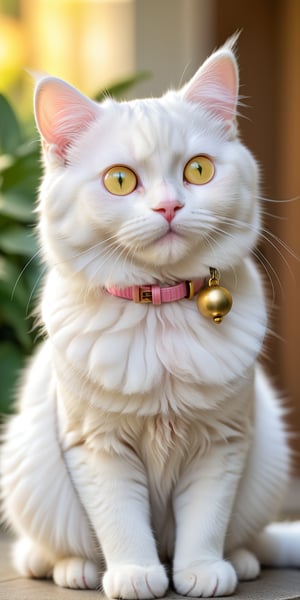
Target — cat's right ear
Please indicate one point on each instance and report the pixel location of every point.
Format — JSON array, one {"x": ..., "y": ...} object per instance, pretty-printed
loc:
[{"x": 61, "y": 113}]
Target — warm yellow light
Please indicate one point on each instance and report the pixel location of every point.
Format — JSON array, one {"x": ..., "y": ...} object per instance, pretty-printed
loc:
[
  {"x": 12, "y": 51},
  {"x": 92, "y": 1},
  {"x": 100, "y": 1},
  {"x": 90, "y": 43}
]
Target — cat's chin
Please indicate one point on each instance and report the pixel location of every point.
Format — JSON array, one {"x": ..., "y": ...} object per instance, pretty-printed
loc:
[{"x": 168, "y": 249}]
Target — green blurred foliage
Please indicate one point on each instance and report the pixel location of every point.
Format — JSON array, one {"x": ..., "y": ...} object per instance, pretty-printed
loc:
[{"x": 20, "y": 268}]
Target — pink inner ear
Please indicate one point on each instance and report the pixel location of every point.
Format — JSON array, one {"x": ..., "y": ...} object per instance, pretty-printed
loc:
[
  {"x": 215, "y": 85},
  {"x": 61, "y": 113}
]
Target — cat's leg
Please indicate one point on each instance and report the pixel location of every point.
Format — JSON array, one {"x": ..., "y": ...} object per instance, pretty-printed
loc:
[
  {"x": 202, "y": 505},
  {"x": 114, "y": 492}
]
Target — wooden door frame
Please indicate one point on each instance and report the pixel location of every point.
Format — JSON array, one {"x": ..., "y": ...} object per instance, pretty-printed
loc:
[{"x": 269, "y": 56}]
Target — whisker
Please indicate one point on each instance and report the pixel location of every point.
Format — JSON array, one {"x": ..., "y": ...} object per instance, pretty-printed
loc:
[
  {"x": 264, "y": 233},
  {"x": 281, "y": 243},
  {"x": 123, "y": 256},
  {"x": 265, "y": 238},
  {"x": 266, "y": 213},
  {"x": 268, "y": 267},
  {"x": 89, "y": 249},
  {"x": 35, "y": 255},
  {"x": 272, "y": 239},
  {"x": 265, "y": 263},
  {"x": 33, "y": 291},
  {"x": 276, "y": 201},
  {"x": 107, "y": 255}
]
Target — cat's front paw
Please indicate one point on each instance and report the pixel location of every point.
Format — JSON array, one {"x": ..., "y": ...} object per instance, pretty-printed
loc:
[
  {"x": 135, "y": 582},
  {"x": 206, "y": 579},
  {"x": 76, "y": 573}
]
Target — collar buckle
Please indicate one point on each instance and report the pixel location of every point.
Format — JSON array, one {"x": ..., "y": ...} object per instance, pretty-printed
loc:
[
  {"x": 190, "y": 290},
  {"x": 142, "y": 295}
]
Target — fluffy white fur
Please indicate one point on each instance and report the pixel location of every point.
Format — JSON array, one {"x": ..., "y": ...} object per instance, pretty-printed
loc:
[{"x": 145, "y": 434}]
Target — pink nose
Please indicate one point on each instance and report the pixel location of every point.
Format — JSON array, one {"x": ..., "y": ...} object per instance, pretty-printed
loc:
[{"x": 168, "y": 209}]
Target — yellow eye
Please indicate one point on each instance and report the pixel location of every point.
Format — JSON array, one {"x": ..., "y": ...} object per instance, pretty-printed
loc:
[
  {"x": 199, "y": 170},
  {"x": 120, "y": 180}
]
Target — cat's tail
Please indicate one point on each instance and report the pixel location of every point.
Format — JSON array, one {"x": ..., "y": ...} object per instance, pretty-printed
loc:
[{"x": 279, "y": 545}]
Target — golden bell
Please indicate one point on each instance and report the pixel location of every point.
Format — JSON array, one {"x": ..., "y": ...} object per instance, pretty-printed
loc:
[{"x": 214, "y": 301}]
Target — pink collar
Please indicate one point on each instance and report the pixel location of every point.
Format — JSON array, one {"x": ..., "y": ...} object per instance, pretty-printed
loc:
[{"x": 154, "y": 294}]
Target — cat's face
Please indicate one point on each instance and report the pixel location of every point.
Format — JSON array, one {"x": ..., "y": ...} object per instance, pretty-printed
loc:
[{"x": 147, "y": 190}]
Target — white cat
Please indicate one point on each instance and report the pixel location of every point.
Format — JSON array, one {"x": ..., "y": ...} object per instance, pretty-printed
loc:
[{"x": 147, "y": 434}]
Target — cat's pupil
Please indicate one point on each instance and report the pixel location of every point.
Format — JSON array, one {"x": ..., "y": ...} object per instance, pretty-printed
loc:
[
  {"x": 120, "y": 178},
  {"x": 199, "y": 168}
]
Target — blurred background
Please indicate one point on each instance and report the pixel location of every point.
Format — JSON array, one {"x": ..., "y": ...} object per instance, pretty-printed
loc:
[{"x": 138, "y": 48}]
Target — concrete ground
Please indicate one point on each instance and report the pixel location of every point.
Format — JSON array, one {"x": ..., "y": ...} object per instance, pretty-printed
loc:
[{"x": 273, "y": 584}]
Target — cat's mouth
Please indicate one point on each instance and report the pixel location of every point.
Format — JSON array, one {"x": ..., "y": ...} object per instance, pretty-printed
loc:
[
  {"x": 169, "y": 233},
  {"x": 169, "y": 236},
  {"x": 166, "y": 247},
  {"x": 168, "y": 241}
]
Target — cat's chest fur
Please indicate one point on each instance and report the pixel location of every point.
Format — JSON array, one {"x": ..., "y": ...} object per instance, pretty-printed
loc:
[{"x": 146, "y": 359}]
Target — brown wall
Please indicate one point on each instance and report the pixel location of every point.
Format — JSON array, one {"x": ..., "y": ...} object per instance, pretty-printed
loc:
[{"x": 269, "y": 57}]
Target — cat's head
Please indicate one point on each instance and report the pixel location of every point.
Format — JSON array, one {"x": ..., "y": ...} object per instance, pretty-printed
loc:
[{"x": 146, "y": 191}]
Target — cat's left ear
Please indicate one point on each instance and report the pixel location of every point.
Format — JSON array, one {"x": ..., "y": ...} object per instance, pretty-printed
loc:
[
  {"x": 62, "y": 113},
  {"x": 215, "y": 87}
]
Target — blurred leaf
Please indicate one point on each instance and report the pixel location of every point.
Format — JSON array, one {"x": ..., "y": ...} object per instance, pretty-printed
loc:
[
  {"x": 32, "y": 276},
  {"x": 11, "y": 361},
  {"x": 10, "y": 276},
  {"x": 29, "y": 148},
  {"x": 11, "y": 284},
  {"x": 14, "y": 315},
  {"x": 10, "y": 131},
  {"x": 17, "y": 205},
  {"x": 17, "y": 240},
  {"x": 6, "y": 160},
  {"x": 119, "y": 89},
  {"x": 23, "y": 174}
]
